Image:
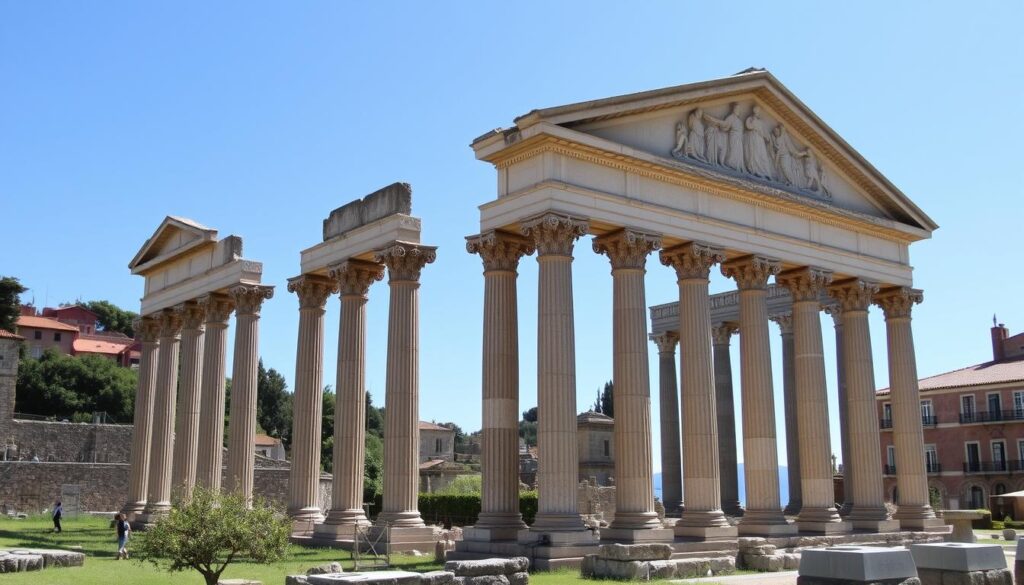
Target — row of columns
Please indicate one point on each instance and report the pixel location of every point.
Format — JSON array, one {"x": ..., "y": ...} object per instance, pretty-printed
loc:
[
  {"x": 179, "y": 423},
  {"x": 351, "y": 280}
]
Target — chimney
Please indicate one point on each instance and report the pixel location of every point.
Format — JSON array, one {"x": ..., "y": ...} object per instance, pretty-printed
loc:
[{"x": 999, "y": 333}]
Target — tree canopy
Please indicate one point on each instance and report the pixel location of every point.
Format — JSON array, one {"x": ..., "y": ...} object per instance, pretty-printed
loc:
[
  {"x": 74, "y": 387},
  {"x": 10, "y": 302},
  {"x": 273, "y": 404},
  {"x": 110, "y": 317},
  {"x": 605, "y": 402}
]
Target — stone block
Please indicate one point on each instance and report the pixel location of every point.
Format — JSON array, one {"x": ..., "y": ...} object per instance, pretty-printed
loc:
[
  {"x": 692, "y": 568},
  {"x": 790, "y": 561},
  {"x": 239, "y": 582},
  {"x": 762, "y": 550},
  {"x": 858, "y": 563},
  {"x": 325, "y": 568},
  {"x": 804, "y": 580},
  {"x": 958, "y": 556},
  {"x": 437, "y": 578},
  {"x": 295, "y": 580},
  {"x": 488, "y": 567},
  {"x": 483, "y": 580},
  {"x": 772, "y": 563},
  {"x": 1018, "y": 566},
  {"x": 722, "y": 565},
  {"x": 395, "y": 198},
  {"x": 59, "y": 558},
  {"x": 635, "y": 552},
  {"x": 522, "y": 578},
  {"x": 661, "y": 569},
  {"x": 373, "y": 578}
]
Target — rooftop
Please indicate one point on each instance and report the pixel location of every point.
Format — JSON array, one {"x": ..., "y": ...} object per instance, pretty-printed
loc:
[
  {"x": 44, "y": 323},
  {"x": 5, "y": 334},
  {"x": 977, "y": 375},
  {"x": 429, "y": 426},
  {"x": 104, "y": 346}
]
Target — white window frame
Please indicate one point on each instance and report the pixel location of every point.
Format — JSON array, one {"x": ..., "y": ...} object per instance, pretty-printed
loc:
[
  {"x": 988, "y": 396},
  {"x": 974, "y": 406},
  {"x": 967, "y": 457},
  {"x": 1020, "y": 449},
  {"x": 887, "y": 412},
  {"x": 890, "y": 455},
  {"x": 932, "y": 449},
  {"x": 1018, "y": 403},
  {"x": 992, "y": 449}
]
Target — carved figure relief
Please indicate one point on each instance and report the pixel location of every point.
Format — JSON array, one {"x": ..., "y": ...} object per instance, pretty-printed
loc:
[{"x": 749, "y": 145}]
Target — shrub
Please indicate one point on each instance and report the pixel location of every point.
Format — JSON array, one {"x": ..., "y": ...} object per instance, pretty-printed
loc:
[{"x": 461, "y": 509}]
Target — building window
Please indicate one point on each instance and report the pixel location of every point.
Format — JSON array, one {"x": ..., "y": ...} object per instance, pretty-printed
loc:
[
  {"x": 999, "y": 455},
  {"x": 887, "y": 412},
  {"x": 1018, "y": 404},
  {"x": 37, "y": 351},
  {"x": 999, "y": 489},
  {"x": 931, "y": 459},
  {"x": 38, "y": 335},
  {"x": 967, "y": 408},
  {"x": 56, "y": 336},
  {"x": 973, "y": 459},
  {"x": 927, "y": 418},
  {"x": 607, "y": 449},
  {"x": 438, "y": 446},
  {"x": 976, "y": 498},
  {"x": 995, "y": 406},
  {"x": 890, "y": 457}
]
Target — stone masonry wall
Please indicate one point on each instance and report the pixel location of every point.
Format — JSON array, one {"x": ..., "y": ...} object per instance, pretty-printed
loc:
[{"x": 71, "y": 442}]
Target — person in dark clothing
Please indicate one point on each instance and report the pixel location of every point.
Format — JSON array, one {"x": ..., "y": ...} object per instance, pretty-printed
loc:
[
  {"x": 58, "y": 511},
  {"x": 123, "y": 530}
]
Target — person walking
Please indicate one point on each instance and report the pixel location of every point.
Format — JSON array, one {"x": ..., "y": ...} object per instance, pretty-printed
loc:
[
  {"x": 124, "y": 529},
  {"x": 58, "y": 511}
]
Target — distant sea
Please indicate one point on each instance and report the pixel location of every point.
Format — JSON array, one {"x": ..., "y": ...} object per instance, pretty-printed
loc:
[{"x": 783, "y": 485}]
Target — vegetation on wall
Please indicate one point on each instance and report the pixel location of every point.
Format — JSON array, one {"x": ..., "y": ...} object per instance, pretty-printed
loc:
[{"x": 74, "y": 387}]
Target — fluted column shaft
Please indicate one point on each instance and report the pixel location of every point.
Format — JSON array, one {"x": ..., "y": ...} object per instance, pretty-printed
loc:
[
  {"x": 499, "y": 458},
  {"x": 760, "y": 449},
  {"x": 210, "y": 455},
  {"x": 308, "y": 400},
  {"x": 558, "y": 459},
  {"x": 401, "y": 415},
  {"x": 634, "y": 490},
  {"x": 186, "y": 435},
  {"x": 914, "y": 509},
  {"x": 242, "y": 423},
  {"x": 147, "y": 331},
  {"x": 865, "y": 488},
  {"x": 158, "y": 500},
  {"x": 818, "y": 511},
  {"x": 721, "y": 336},
  {"x": 785, "y": 323},
  {"x": 849, "y": 465},
  {"x": 693, "y": 263},
  {"x": 668, "y": 401}
]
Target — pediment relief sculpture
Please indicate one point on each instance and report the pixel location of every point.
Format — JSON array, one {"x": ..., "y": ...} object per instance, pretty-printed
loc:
[{"x": 749, "y": 145}]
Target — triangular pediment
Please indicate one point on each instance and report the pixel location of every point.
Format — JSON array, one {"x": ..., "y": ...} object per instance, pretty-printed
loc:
[
  {"x": 174, "y": 237},
  {"x": 746, "y": 130}
]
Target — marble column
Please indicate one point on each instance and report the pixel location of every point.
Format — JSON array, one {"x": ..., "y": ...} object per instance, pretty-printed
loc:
[
  {"x": 818, "y": 513},
  {"x": 849, "y": 465},
  {"x": 186, "y": 434},
  {"x": 865, "y": 489},
  {"x": 353, "y": 278},
  {"x": 308, "y": 403},
  {"x": 158, "y": 500},
  {"x": 499, "y": 460},
  {"x": 635, "y": 517},
  {"x": 763, "y": 515},
  {"x": 402, "y": 401},
  {"x": 147, "y": 331},
  {"x": 721, "y": 337},
  {"x": 914, "y": 510},
  {"x": 210, "y": 455},
  {"x": 558, "y": 460},
  {"x": 785, "y": 323},
  {"x": 703, "y": 516},
  {"x": 668, "y": 401},
  {"x": 248, "y": 299}
]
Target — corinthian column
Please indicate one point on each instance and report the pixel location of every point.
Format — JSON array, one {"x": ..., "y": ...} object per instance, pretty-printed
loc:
[
  {"x": 635, "y": 517},
  {"x": 248, "y": 299},
  {"x": 668, "y": 406},
  {"x": 146, "y": 330},
  {"x": 865, "y": 490},
  {"x": 760, "y": 450},
  {"x": 703, "y": 516},
  {"x": 836, "y": 311},
  {"x": 558, "y": 459},
  {"x": 785, "y": 323},
  {"x": 158, "y": 501},
  {"x": 914, "y": 510},
  {"x": 499, "y": 461},
  {"x": 186, "y": 435},
  {"x": 402, "y": 384},
  {"x": 210, "y": 455},
  {"x": 308, "y": 403},
  {"x": 818, "y": 513},
  {"x": 721, "y": 335},
  {"x": 353, "y": 278}
]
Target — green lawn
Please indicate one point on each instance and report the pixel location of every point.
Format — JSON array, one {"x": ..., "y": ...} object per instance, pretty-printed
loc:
[{"x": 99, "y": 543}]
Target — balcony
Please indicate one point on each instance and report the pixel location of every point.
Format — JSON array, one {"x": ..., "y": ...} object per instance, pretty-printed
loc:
[
  {"x": 992, "y": 416},
  {"x": 929, "y": 468},
  {"x": 928, "y": 421},
  {"x": 889, "y": 470},
  {"x": 1009, "y": 466}
]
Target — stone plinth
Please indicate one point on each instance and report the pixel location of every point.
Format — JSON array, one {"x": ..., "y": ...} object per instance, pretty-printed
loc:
[
  {"x": 857, "y": 564},
  {"x": 405, "y": 539},
  {"x": 956, "y": 562},
  {"x": 381, "y": 578},
  {"x": 961, "y": 520},
  {"x": 1018, "y": 564},
  {"x": 650, "y": 561}
]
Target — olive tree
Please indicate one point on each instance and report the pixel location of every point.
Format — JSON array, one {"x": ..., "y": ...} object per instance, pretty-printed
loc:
[{"x": 210, "y": 531}]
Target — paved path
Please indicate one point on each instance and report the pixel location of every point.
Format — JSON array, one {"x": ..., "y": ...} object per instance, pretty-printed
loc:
[{"x": 781, "y": 578}]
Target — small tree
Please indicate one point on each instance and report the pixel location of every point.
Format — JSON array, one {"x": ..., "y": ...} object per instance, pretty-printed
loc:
[{"x": 210, "y": 531}]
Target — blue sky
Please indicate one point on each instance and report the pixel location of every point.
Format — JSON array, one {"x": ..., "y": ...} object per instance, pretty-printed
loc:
[{"x": 258, "y": 118}]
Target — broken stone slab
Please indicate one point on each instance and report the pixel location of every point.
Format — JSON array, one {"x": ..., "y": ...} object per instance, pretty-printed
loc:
[
  {"x": 396, "y": 198},
  {"x": 519, "y": 578},
  {"x": 635, "y": 552},
  {"x": 371, "y": 578},
  {"x": 940, "y": 577},
  {"x": 482, "y": 567},
  {"x": 437, "y": 578},
  {"x": 764, "y": 563},
  {"x": 857, "y": 564},
  {"x": 958, "y": 556},
  {"x": 295, "y": 580},
  {"x": 483, "y": 580},
  {"x": 239, "y": 582},
  {"x": 325, "y": 568}
]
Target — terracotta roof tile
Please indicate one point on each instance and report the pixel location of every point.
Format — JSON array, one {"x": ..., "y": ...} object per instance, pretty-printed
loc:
[
  {"x": 5, "y": 334},
  {"x": 44, "y": 323},
  {"x": 88, "y": 345},
  {"x": 266, "y": 440},
  {"x": 426, "y": 426},
  {"x": 976, "y": 375}
]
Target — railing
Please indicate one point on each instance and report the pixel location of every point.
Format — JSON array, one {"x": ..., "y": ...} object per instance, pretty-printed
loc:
[
  {"x": 1008, "y": 466},
  {"x": 930, "y": 467},
  {"x": 992, "y": 416},
  {"x": 928, "y": 421},
  {"x": 889, "y": 470}
]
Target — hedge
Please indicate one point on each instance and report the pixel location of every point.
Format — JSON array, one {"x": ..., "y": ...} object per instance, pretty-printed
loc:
[{"x": 460, "y": 509}]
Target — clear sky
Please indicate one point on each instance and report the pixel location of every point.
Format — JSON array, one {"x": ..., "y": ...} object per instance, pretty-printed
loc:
[{"x": 259, "y": 118}]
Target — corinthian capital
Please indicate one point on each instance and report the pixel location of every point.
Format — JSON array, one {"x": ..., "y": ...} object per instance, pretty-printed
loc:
[
  {"x": 192, "y": 315},
  {"x": 722, "y": 332},
  {"x": 312, "y": 290},
  {"x": 405, "y": 261},
  {"x": 354, "y": 277},
  {"x": 666, "y": 341},
  {"x": 834, "y": 310},
  {"x": 147, "y": 329},
  {"x": 806, "y": 283},
  {"x": 897, "y": 302},
  {"x": 692, "y": 260},
  {"x": 784, "y": 321},
  {"x": 627, "y": 248},
  {"x": 751, "y": 272},
  {"x": 218, "y": 308},
  {"x": 853, "y": 294},
  {"x": 249, "y": 298},
  {"x": 170, "y": 323},
  {"x": 554, "y": 234},
  {"x": 500, "y": 251}
]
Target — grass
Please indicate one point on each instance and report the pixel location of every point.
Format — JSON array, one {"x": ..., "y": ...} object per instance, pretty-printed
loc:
[{"x": 99, "y": 543}]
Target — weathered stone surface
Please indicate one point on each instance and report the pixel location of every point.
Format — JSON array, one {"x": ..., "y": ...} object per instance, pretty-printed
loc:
[
  {"x": 692, "y": 567},
  {"x": 958, "y": 556},
  {"x": 325, "y": 568},
  {"x": 635, "y": 552},
  {"x": 488, "y": 567},
  {"x": 483, "y": 580},
  {"x": 371, "y": 578},
  {"x": 519, "y": 578},
  {"x": 395, "y": 198},
  {"x": 722, "y": 565},
  {"x": 437, "y": 578},
  {"x": 768, "y": 563},
  {"x": 17, "y": 561},
  {"x": 790, "y": 561},
  {"x": 59, "y": 558},
  {"x": 804, "y": 580},
  {"x": 940, "y": 577},
  {"x": 296, "y": 580},
  {"x": 597, "y": 567},
  {"x": 858, "y": 563},
  {"x": 239, "y": 582}
]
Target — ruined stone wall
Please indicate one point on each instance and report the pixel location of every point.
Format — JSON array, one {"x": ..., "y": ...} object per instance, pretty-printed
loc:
[{"x": 71, "y": 442}]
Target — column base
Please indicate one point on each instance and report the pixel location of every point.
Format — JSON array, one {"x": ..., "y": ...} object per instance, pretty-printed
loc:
[
  {"x": 147, "y": 519},
  {"x": 407, "y": 519},
  {"x": 636, "y": 520},
  {"x": 304, "y": 521},
  {"x": 826, "y": 528},
  {"x": 133, "y": 509},
  {"x": 793, "y": 508},
  {"x": 877, "y": 526},
  {"x": 923, "y": 524},
  {"x": 637, "y": 535},
  {"x": 706, "y": 532},
  {"x": 733, "y": 509},
  {"x": 558, "y": 523},
  {"x": 491, "y": 534},
  {"x": 754, "y": 529},
  {"x": 405, "y": 539}
]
